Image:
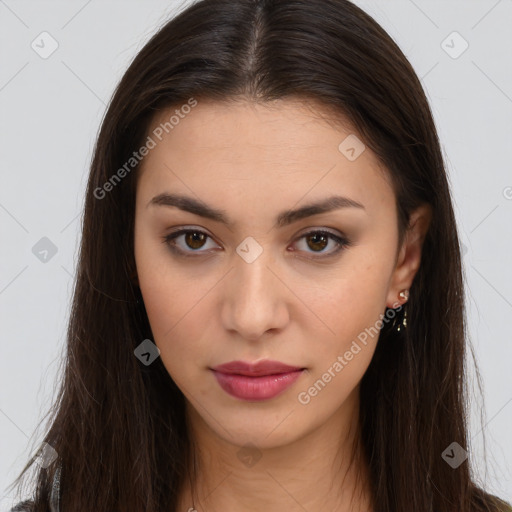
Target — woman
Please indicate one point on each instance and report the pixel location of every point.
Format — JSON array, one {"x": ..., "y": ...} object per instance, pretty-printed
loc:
[{"x": 268, "y": 309}]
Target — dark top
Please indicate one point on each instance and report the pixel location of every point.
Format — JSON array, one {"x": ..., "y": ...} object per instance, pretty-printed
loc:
[{"x": 27, "y": 505}]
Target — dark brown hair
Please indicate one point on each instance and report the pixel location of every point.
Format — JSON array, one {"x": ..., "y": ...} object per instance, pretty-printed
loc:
[{"x": 117, "y": 425}]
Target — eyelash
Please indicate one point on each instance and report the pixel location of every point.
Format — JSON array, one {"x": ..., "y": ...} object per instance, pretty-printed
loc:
[{"x": 342, "y": 242}]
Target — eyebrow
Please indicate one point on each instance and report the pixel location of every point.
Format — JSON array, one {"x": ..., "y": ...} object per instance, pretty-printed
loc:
[{"x": 286, "y": 217}]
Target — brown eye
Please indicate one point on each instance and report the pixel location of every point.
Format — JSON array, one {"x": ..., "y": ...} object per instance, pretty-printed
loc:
[
  {"x": 317, "y": 241},
  {"x": 195, "y": 239},
  {"x": 186, "y": 242},
  {"x": 191, "y": 242}
]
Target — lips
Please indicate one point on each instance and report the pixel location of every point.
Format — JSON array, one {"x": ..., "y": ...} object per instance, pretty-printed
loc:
[
  {"x": 256, "y": 369},
  {"x": 256, "y": 381}
]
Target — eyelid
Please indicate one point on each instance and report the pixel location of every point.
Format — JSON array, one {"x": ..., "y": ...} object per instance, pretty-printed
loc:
[{"x": 338, "y": 237}]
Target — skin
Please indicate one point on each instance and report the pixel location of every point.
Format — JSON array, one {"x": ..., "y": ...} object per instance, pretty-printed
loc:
[{"x": 253, "y": 161}]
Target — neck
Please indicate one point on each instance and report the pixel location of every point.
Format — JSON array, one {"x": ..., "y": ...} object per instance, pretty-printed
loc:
[{"x": 323, "y": 470}]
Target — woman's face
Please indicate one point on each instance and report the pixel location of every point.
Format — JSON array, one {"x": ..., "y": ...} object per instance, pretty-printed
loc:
[{"x": 255, "y": 281}]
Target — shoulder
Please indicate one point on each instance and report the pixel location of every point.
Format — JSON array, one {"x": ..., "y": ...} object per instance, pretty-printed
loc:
[
  {"x": 29, "y": 505},
  {"x": 23, "y": 506},
  {"x": 485, "y": 501}
]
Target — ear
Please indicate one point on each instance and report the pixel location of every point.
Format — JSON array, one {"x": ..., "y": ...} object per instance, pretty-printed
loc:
[{"x": 409, "y": 255}]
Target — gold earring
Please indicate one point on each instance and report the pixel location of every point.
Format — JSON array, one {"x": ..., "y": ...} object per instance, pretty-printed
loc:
[{"x": 404, "y": 294}]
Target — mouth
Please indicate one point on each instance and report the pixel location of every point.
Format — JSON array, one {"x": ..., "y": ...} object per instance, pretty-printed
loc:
[
  {"x": 256, "y": 369},
  {"x": 256, "y": 381}
]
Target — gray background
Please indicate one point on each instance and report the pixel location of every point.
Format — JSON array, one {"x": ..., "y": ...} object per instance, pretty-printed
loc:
[{"x": 50, "y": 110}]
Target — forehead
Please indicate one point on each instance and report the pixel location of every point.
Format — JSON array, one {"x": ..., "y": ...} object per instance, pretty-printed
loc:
[
  {"x": 280, "y": 130},
  {"x": 285, "y": 147}
]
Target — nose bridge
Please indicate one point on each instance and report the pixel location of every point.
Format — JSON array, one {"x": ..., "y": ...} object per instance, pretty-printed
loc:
[
  {"x": 253, "y": 303},
  {"x": 252, "y": 277}
]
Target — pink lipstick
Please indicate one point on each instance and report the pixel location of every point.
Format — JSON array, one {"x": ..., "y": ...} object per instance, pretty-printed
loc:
[{"x": 256, "y": 381}]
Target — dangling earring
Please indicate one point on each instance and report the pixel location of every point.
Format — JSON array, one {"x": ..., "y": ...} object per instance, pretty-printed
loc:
[{"x": 404, "y": 295}]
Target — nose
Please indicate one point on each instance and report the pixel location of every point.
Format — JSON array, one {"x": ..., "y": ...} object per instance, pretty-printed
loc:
[{"x": 255, "y": 299}]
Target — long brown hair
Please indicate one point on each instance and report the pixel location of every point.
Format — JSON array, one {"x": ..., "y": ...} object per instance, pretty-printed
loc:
[{"x": 118, "y": 426}]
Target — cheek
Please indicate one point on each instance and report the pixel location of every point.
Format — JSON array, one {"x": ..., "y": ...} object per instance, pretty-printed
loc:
[
  {"x": 351, "y": 304},
  {"x": 340, "y": 360},
  {"x": 176, "y": 304},
  {"x": 171, "y": 306},
  {"x": 166, "y": 293},
  {"x": 351, "y": 308},
  {"x": 177, "y": 329}
]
